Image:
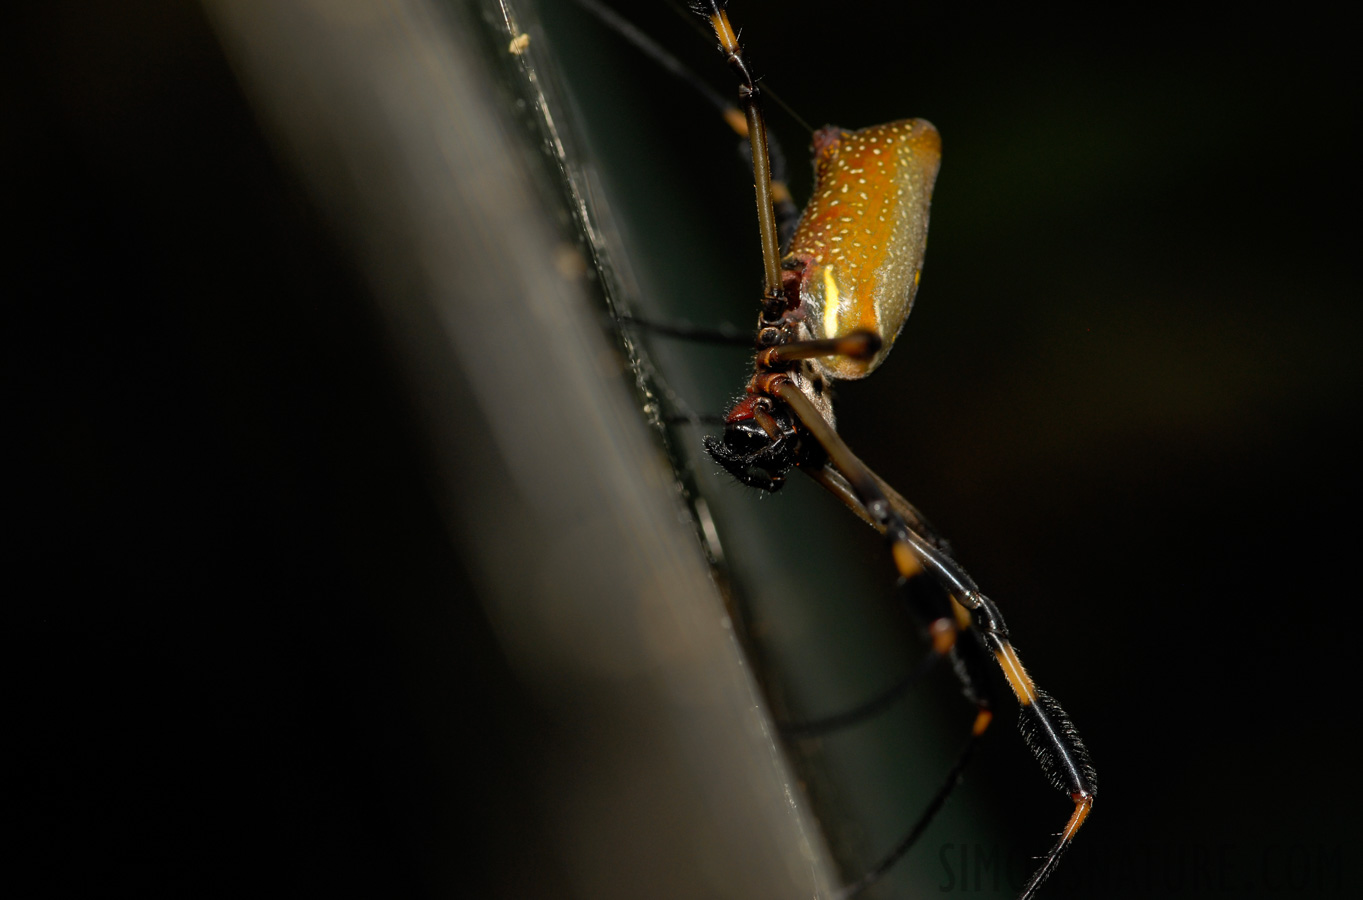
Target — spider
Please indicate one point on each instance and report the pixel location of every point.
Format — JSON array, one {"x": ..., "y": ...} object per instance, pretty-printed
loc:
[{"x": 832, "y": 305}]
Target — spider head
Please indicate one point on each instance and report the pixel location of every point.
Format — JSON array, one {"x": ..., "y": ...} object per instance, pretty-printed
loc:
[{"x": 749, "y": 451}]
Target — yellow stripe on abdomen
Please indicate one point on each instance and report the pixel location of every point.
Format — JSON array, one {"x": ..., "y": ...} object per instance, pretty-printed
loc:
[{"x": 830, "y": 304}]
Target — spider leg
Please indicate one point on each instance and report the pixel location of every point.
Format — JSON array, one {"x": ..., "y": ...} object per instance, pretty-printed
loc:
[
  {"x": 942, "y": 625},
  {"x": 924, "y": 819},
  {"x": 837, "y": 485},
  {"x": 685, "y": 331},
  {"x": 943, "y": 633},
  {"x": 857, "y": 345},
  {"x": 1045, "y": 726},
  {"x": 787, "y": 214},
  {"x": 947, "y": 629}
]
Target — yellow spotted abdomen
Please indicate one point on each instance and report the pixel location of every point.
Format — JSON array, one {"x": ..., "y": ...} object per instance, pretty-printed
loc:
[{"x": 860, "y": 242}]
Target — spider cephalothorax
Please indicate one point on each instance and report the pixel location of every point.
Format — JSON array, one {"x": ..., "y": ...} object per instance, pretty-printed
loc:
[{"x": 761, "y": 443}]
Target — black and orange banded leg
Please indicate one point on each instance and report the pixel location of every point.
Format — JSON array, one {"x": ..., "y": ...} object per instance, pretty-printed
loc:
[
  {"x": 787, "y": 213},
  {"x": 952, "y": 634},
  {"x": 943, "y": 626},
  {"x": 1046, "y": 728},
  {"x": 750, "y": 97},
  {"x": 943, "y": 634}
]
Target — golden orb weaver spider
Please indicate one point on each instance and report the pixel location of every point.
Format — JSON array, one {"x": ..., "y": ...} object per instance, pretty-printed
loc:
[
  {"x": 832, "y": 306},
  {"x": 838, "y": 287}
]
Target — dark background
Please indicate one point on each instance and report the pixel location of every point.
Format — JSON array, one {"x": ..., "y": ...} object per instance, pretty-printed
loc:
[
  {"x": 1126, "y": 393},
  {"x": 251, "y": 661}
]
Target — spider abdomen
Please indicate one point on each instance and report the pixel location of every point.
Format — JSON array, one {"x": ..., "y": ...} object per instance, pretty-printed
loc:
[{"x": 858, "y": 250}]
